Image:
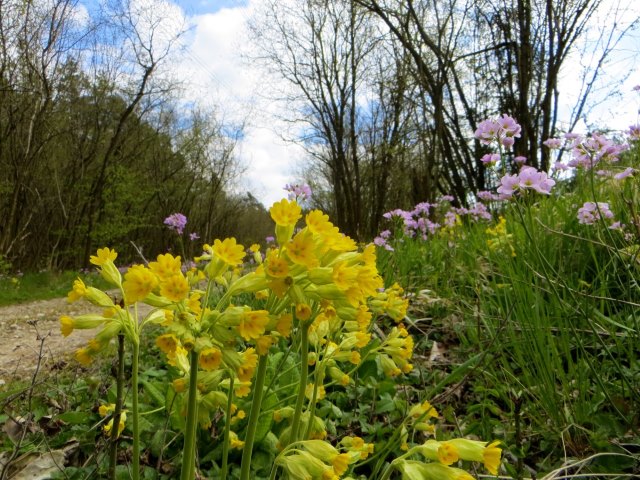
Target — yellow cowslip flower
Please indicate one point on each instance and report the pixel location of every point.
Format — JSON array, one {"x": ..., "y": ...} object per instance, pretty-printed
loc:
[
  {"x": 230, "y": 252},
  {"x": 165, "y": 266},
  {"x": 180, "y": 385},
  {"x": 263, "y": 344},
  {"x": 369, "y": 256},
  {"x": 167, "y": 342},
  {"x": 284, "y": 324},
  {"x": 320, "y": 392},
  {"x": 447, "y": 453},
  {"x": 415, "y": 470},
  {"x": 275, "y": 266},
  {"x": 357, "y": 444},
  {"x": 285, "y": 213},
  {"x": 344, "y": 276},
  {"x": 139, "y": 282},
  {"x": 303, "y": 311},
  {"x": 83, "y": 356},
  {"x": 363, "y": 318},
  {"x": 248, "y": 366},
  {"x": 210, "y": 359},
  {"x": 477, "y": 451},
  {"x": 79, "y": 290},
  {"x": 318, "y": 222},
  {"x": 423, "y": 411},
  {"x": 103, "y": 256},
  {"x": 175, "y": 288},
  {"x": 234, "y": 441},
  {"x": 301, "y": 249},
  {"x": 280, "y": 286},
  {"x": 66, "y": 325},
  {"x": 242, "y": 389},
  {"x": 194, "y": 304},
  {"x": 253, "y": 323},
  {"x": 109, "y": 425}
]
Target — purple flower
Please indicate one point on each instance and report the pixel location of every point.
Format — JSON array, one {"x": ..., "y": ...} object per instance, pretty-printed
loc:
[
  {"x": 591, "y": 212},
  {"x": 490, "y": 159},
  {"x": 552, "y": 143},
  {"x": 193, "y": 236},
  {"x": 508, "y": 185},
  {"x": 301, "y": 193},
  {"x": 529, "y": 177},
  {"x": 634, "y": 133},
  {"x": 520, "y": 159},
  {"x": 176, "y": 222},
  {"x": 487, "y": 131},
  {"x": 446, "y": 198},
  {"x": 636, "y": 88},
  {"x": 486, "y": 196},
  {"x": 560, "y": 167},
  {"x": 269, "y": 240},
  {"x": 381, "y": 242},
  {"x": 385, "y": 234},
  {"x": 503, "y": 130},
  {"x": 628, "y": 172}
]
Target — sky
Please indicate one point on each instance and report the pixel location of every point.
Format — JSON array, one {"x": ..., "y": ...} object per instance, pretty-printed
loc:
[{"x": 217, "y": 76}]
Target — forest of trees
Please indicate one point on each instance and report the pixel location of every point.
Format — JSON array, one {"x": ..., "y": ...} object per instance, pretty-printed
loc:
[
  {"x": 389, "y": 92},
  {"x": 96, "y": 147}
]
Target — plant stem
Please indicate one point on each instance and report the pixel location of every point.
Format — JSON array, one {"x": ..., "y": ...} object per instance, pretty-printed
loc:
[
  {"x": 189, "y": 449},
  {"x": 135, "y": 413},
  {"x": 258, "y": 388},
  {"x": 304, "y": 373},
  {"x": 113, "y": 447},
  {"x": 227, "y": 428}
]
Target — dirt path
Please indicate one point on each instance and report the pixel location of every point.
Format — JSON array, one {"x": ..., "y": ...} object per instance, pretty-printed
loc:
[{"x": 23, "y": 326}]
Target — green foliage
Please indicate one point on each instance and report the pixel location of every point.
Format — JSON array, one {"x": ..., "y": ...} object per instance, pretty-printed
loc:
[
  {"x": 18, "y": 288},
  {"x": 549, "y": 305}
]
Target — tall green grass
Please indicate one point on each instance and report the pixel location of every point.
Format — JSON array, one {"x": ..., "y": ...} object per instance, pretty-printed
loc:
[{"x": 554, "y": 309}]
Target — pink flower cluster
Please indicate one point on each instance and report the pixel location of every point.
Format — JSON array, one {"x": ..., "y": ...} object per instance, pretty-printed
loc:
[
  {"x": 527, "y": 178},
  {"x": 591, "y": 212},
  {"x": 301, "y": 193},
  {"x": 634, "y": 133},
  {"x": 589, "y": 151},
  {"x": 503, "y": 130},
  {"x": 176, "y": 222}
]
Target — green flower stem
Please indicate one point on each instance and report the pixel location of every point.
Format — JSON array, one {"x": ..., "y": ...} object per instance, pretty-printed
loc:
[
  {"x": 189, "y": 449},
  {"x": 113, "y": 447},
  {"x": 258, "y": 391},
  {"x": 227, "y": 428},
  {"x": 304, "y": 373},
  {"x": 135, "y": 413}
]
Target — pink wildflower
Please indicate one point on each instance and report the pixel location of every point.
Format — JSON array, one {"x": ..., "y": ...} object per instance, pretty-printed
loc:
[
  {"x": 628, "y": 172},
  {"x": 177, "y": 222},
  {"x": 591, "y": 212},
  {"x": 508, "y": 185},
  {"x": 529, "y": 177},
  {"x": 552, "y": 143},
  {"x": 520, "y": 159},
  {"x": 490, "y": 159}
]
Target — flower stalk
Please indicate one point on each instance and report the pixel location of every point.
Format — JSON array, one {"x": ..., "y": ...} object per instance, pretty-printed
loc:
[
  {"x": 256, "y": 404},
  {"x": 189, "y": 450}
]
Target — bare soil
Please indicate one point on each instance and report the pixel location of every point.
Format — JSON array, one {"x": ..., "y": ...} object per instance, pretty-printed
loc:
[{"x": 24, "y": 328}]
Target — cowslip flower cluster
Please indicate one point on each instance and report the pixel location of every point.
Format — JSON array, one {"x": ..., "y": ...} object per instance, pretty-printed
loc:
[
  {"x": 313, "y": 294},
  {"x": 502, "y": 130},
  {"x": 176, "y": 222},
  {"x": 527, "y": 179}
]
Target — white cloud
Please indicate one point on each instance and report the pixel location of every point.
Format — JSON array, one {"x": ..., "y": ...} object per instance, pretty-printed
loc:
[{"x": 217, "y": 76}]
